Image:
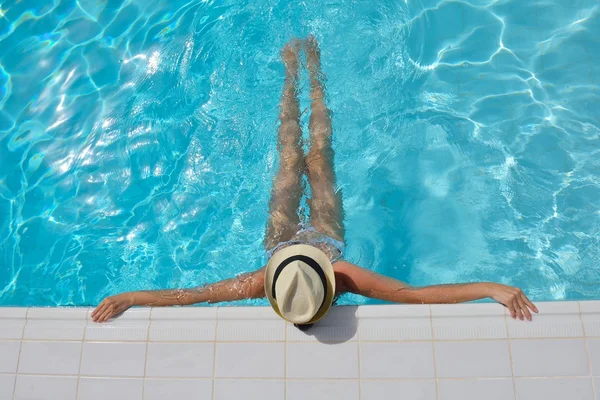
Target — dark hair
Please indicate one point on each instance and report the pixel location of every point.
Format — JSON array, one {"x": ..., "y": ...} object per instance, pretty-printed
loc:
[{"x": 303, "y": 327}]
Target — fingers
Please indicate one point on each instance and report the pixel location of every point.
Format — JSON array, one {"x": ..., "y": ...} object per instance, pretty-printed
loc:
[
  {"x": 511, "y": 309},
  {"x": 105, "y": 316},
  {"x": 98, "y": 308},
  {"x": 529, "y": 303},
  {"x": 104, "y": 311},
  {"x": 524, "y": 308},
  {"x": 98, "y": 317},
  {"x": 518, "y": 310},
  {"x": 514, "y": 300},
  {"x": 98, "y": 311}
]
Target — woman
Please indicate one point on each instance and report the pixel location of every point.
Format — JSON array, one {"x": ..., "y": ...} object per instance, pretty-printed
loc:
[{"x": 305, "y": 270}]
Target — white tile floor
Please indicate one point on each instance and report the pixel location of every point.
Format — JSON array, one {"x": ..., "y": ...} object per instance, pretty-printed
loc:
[{"x": 436, "y": 352}]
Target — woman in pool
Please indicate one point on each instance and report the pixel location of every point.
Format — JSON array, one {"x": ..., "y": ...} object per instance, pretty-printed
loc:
[{"x": 305, "y": 271}]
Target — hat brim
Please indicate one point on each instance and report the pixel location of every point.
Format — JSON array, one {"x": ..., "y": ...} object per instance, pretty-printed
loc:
[{"x": 317, "y": 255}]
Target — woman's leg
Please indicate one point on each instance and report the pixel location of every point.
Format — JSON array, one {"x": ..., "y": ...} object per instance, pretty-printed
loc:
[
  {"x": 283, "y": 221},
  {"x": 326, "y": 211}
]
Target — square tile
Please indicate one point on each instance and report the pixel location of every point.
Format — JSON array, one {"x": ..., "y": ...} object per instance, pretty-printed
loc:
[
  {"x": 394, "y": 322},
  {"x": 110, "y": 388},
  {"x": 55, "y": 323},
  {"x": 395, "y": 390},
  {"x": 234, "y": 324},
  {"x": 554, "y": 389},
  {"x": 476, "y": 389},
  {"x": 7, "y": 386},
  {"x": 590, "y": 316},
  {"x": 10, "y": 356},
  {"x": 472, "y": 359},
  {"x": 596, "y": 382},
  {"x": 131, "y": 326},
  {"x": 12, "y": 322},
  {"x": 322, "y": 390},
  {"x": 33, "y": 387},
  {"x": 227, "y": 389},
  {"x": 593, "y": 346},
  {"x": 250, "y": 360},
  {"x": 549, "y": 357},
  {"x": 57, "y": 358},
  {"x": 338, "y": 326},
  {"x": 468, "y": 321},
  {"x": 396, "y": 360},
  {"x": 555, "y": 319},
  {"x": 161, "y": 389},
  {"x": 183, "y": 324},
  {"x": 113, "y": 359},
  {"x": 183, "y": 360},
  {"x": 321, "y": 360}
]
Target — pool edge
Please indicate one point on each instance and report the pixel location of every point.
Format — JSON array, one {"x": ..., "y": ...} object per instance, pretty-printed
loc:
[{"x": 356, "y": 351}]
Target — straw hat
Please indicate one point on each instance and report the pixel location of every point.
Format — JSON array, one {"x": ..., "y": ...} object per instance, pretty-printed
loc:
[{"x": 300, "y": 283}]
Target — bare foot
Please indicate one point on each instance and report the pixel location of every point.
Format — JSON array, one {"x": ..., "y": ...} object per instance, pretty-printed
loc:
[
  {"x": 289, "y": 56},
  {"x": 313, "y": 55}
]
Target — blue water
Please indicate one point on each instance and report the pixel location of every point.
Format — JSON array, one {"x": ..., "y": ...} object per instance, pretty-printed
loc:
[{"x": 138, "y": 141}]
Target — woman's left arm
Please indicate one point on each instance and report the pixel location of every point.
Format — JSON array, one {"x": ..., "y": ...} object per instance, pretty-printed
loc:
[{"x": 370, "y": 284}]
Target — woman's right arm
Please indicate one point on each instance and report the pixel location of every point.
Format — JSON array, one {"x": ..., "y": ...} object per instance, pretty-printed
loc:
[{"x": 246, "y": 286}]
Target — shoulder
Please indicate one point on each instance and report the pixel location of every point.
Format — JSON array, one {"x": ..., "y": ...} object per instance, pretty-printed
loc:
[
  {"x": 343, "y": 272},
  {"x": 343, "y": 267}
]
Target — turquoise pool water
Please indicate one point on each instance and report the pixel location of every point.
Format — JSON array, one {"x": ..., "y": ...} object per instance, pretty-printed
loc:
[{"x": 138, "y": 141}]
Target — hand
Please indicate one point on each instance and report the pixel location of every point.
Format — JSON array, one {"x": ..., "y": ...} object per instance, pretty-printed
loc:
[
  {"x": 514, "y": 299},
  {"x": 112, "y": 306}
]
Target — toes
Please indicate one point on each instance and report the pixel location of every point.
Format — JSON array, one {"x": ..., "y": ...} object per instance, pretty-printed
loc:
[
  {"x": 311, "y": 44},
  {"x": 295, "y": 44},
  {"x": 291, "y": 48}
]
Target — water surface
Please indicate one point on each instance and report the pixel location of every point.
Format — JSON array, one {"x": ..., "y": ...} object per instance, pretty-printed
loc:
[{"x": 138, "y": 141}]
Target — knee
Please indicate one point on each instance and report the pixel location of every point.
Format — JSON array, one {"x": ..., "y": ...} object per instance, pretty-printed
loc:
[
  {"x": 319, "y": 130},
  {"x": 288, "y": 143},
  {"x": 318, "y": 109},
  {"x": 316, "y": 159},
  {"x": 290, "y": 127},
  {"x": 289, "y": 183},
  {"x": 290, "y": 157},
  {"x": 313, "y": 160}
]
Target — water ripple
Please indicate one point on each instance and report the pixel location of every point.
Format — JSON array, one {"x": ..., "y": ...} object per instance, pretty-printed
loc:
[{"x": 137, "y": 140}]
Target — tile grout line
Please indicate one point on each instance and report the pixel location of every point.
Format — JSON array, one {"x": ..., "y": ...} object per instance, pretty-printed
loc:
[
  {"x": 19, "y": 359},
  {"x": 437, "y": 384},
  {"x": 285, "y": 350},
  {"x": 87, "y": 313},
  {"x": 146, "y": 354},
  {"x": 587, "y": 351},
  {"x": 510, "y": 357},
  {"x": 229, "y": 378},
  {"x": 215, "y": 352},
  {"x": 309, "y": 340},
  {"x": 360, "y": 395}
]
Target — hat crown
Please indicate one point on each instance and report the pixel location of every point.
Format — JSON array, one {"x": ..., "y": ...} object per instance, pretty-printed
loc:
[
  {"x": 300, "y": 282},
  {"x": 299, "y": 292}
]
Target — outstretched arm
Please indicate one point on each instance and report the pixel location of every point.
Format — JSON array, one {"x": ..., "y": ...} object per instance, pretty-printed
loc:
[
  {"x": 246, "y": 286},
  {"x": 370, "y": 284}
]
